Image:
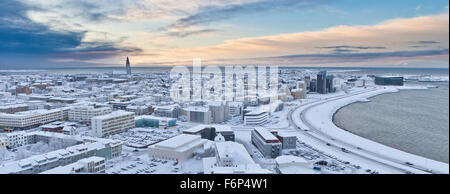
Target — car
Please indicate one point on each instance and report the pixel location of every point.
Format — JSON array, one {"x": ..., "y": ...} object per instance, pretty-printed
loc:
[
  {"x": 328, "y": 144},
  {"x": 409, "y": 164}
]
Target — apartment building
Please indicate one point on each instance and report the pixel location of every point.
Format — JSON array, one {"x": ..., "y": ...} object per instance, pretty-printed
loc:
[
  {"x": 197, "y": 114},
  {"x": 113, "y": 123}
]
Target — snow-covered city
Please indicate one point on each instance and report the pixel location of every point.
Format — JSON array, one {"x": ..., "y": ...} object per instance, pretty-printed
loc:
[{"x": 124, "y": 122}]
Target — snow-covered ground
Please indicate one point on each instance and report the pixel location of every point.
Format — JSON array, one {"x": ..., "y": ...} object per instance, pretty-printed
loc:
[{"x": 140, "y": 163}]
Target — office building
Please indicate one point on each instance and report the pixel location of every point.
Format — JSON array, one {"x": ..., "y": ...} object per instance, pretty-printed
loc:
[
  {"x": 389, "y": 80},
  {"x": 113, "y": 123},
  {"x": 155, "y": 122},
  {"x": 287, "y": 141},
  {"x": 256, "y": 117},
  {"x": 330, "y": 84},
  {"x": 198, "y": 114},
  {"x": 29, "y": 119},
  {"x": 266, "y": 142},
  {"x": 86, "y": 113},
  {"x": 322, "y": 82}
]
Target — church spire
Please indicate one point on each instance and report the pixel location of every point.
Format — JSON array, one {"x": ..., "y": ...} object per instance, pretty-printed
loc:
[{"x": 128, "y": 67}]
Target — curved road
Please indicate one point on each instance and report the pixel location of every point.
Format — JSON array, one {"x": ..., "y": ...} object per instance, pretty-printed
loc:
[{"x": 356, "y": 152}]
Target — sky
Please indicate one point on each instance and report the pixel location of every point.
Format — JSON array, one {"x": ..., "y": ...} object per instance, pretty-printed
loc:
[{"x": 312, "y": 33}]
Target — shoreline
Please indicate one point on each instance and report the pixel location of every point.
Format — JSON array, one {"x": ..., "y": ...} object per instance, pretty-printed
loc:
[
  {"x": 372, "y": 139},
  {"x": 326, "y": 122}
]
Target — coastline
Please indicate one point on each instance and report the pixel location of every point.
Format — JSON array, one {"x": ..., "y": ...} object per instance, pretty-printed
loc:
[
  {"x": 330, "y": 109},
  {"x": 340, "y": 124}
]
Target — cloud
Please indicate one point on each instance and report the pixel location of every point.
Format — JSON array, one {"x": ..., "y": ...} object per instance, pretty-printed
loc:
[
  {"x": 427, "y": 42},
  {"x": 387, "y": 40},
  {"x": 183, "y": 34},
  {"x": 353, "y": 47},
  {"x": 21, "y": 36},
  {"x": 211, "y": 14}
]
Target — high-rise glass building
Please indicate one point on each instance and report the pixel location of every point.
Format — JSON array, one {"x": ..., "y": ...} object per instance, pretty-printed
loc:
[{"x": 321, "y": 82}]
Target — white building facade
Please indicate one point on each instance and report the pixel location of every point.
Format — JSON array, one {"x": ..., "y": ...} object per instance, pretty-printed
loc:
[{"x": 113, "y": 123}]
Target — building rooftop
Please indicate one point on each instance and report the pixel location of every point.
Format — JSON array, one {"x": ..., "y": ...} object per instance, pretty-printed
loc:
[
  {"x": 178, "y": 141},
  {"x": 266, "y": 134},
  {"x": 114, "y": 114}
]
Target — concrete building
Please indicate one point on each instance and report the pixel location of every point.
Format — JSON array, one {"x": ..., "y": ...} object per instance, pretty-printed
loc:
[
  {"x": 235, "y": 109},
  {"x": 113, "y": 123},
  {"x": 211, "y": 131},
  {"x": 91, "y": 165},
  {"x": 292, "y": 165},
  {"x": 13, "y": 108},
  {"x": 17, "y": 139},
  {"x": 198, "y": 114},
  {"x": 255, "y": 117},
  {"x": 86, "y": 113},
  {"x": 3, "y": 142},
  {"x": 39, "y": 163},
  {"x": 29, "y": 119},
  {"x": 172, "y": 111},
  {"x": 266, "y": 142},
  {"x": 156, "y": 122},
  {"x": 139, "y": 110},
  {"x": 231, "y": 158},
  {"x": 219, "y": 111},
  {"x": 287, "y": 141},
  {"x": 389, "y": 80},
  {"x": 178, "y": 148}
]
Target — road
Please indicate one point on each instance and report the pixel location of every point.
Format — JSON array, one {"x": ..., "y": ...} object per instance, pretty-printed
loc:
[{"x": 364, "y": 156}]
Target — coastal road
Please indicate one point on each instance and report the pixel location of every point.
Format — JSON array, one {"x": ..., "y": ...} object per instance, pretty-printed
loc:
[{"x": 364, "y": 156}]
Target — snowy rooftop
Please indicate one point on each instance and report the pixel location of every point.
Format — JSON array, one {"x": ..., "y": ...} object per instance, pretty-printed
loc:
[
  {"x": 265, "y": 133},
  {"x": 197, "y": 109},
  {"x": 76, "y": 165},
  {"x": 235, "y": 150},
  {"x": 178, "y": 141},
  {"x": 153, "y": 117},
  {"x": 114, "y": 114}
]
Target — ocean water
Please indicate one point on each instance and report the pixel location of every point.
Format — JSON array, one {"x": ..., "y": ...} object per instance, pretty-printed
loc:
[{"x": 415, "y": 121}]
